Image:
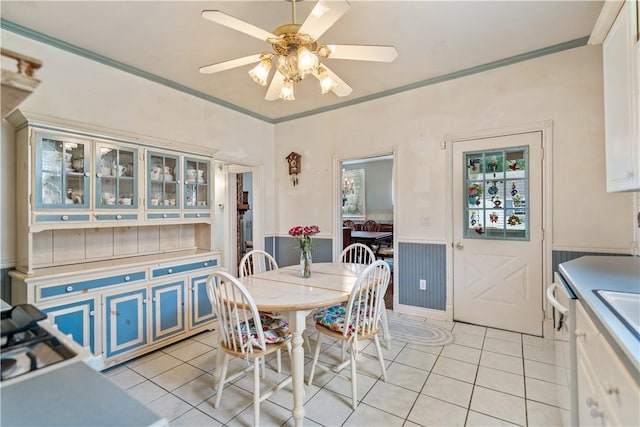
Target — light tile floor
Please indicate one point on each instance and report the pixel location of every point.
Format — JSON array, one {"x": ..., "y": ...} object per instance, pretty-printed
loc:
[{"x": 487, "y": 377}]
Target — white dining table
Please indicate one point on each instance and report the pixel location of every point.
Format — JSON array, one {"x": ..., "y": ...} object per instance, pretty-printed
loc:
[{"x": 285, "y": 290}]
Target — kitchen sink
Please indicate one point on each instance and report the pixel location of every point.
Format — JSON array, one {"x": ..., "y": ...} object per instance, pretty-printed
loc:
[{"x": 625, "y": 305}]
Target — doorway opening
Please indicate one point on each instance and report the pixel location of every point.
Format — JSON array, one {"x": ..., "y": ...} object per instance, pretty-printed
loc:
[
  {"x": 365, "y": 208},
  {"x": 238, "y": 227}
]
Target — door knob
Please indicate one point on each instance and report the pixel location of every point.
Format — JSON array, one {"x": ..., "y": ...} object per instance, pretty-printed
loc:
[{"x": 459, "y": 245}]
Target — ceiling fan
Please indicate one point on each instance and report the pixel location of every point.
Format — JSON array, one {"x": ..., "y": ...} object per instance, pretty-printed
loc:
[{"x": 296, "y": 51}]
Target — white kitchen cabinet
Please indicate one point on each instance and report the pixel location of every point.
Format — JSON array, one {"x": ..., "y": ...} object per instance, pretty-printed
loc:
[
  {"x": 620, "y": 52},
  {"x": 607, "y": 393}
]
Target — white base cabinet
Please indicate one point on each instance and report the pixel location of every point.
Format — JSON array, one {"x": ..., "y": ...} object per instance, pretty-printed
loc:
[
  {"x": 124, "y": 309},
  {"x": 607, "y": 393}
]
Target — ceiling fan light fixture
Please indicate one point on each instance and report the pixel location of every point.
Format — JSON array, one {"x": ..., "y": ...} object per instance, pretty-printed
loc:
[
  {"x": 288, "y": 66},
  {"x": 260, "y": 72},
  {"x": 307, "y": 60},
  {"x": 286, "y": 92},
  {"x": 327, "y": 84}
]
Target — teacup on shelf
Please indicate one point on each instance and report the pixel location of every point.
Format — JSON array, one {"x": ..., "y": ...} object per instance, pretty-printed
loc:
[{"x": 108, "y": 199}]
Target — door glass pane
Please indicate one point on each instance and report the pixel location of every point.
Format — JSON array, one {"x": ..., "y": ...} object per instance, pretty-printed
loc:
[{"x": 497, "y": 184}]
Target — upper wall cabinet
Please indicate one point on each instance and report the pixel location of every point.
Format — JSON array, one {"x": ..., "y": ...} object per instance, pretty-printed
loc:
[
  {"x": 72, "y": 178},
  {"x": 621, "y": 57}
]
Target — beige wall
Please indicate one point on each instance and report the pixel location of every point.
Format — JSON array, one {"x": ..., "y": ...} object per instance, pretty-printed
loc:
[{"x": 564, "y": 87}]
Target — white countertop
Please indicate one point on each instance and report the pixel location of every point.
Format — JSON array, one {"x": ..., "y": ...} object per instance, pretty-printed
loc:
[
  {"x": 73, "y": 396},
  {"x": 613, "y": 273}
]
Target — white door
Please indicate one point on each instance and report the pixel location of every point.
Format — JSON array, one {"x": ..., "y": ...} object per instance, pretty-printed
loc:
[{"x": 497, "y": 214}]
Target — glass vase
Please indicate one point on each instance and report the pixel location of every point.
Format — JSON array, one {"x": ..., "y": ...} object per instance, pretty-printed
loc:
[{"x": 305, "y": 264}]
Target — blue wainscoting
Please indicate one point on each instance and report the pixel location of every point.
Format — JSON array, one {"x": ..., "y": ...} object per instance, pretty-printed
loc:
[
  {"x": 286, "y": 250},
  {"x": 417, "y": 261}
]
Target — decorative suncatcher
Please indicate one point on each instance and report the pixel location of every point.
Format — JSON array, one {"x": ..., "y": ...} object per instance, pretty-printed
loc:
[{"x": 497, "y": 190}]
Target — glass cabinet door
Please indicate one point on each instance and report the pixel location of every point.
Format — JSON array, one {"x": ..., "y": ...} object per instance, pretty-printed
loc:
[
  {"x": 196, "y": 183},
  {"x": 163, "y": 175},
  {"x": 62, "y": 176},
  {"x": 116, "y": 177}
]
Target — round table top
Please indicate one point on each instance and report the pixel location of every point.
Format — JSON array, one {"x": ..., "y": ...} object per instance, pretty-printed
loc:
[{"x": 286, "y": 290}]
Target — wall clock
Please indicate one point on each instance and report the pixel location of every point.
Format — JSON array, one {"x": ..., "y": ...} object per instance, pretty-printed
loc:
[{"x": 295, "y": 162}]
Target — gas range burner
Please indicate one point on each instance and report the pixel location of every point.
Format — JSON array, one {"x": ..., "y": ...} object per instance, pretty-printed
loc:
[{"x": 26, "y": 345}]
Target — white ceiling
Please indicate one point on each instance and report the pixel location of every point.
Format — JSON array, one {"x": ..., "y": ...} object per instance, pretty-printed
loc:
[{"x": 168, "y": 41}]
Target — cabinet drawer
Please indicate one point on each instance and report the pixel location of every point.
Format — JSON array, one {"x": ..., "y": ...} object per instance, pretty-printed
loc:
[
  {"x": 163, "y": 216},
  {"x": 197, "y": 215},
  {"x": 86, "y": 285},
  {"x": 164, "y": 271},
  {"x": 62, "y": 218},
  {"x": 116, "y": 217}
]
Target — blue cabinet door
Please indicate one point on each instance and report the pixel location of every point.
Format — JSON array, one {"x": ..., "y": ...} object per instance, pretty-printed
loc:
[
  {"x": 201, "y": 309},
  {"x": 76, "y": 319},
  {"x": 125, "y": 321},
  {"x": 167, "y": 309}
]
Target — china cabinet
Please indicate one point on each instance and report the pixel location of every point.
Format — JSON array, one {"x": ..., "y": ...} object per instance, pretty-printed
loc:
[{"x": 115, "y": 235}]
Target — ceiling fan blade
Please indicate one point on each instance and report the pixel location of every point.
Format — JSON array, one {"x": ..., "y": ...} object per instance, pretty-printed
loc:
[
  {"x": 322, "y": 17},
  {"x": 236, "y": 24},
  {"x": 227, "y": 65},
  {"x": 363, "y": 52},
  {"x": 274, "y": 88},
  {"x": 341, "y": 89}
]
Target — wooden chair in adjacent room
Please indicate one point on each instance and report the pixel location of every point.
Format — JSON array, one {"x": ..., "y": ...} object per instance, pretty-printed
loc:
[
  {"x": 370, "y": 225},
  {"x": 242, "y": 335},
  {"x": 354, "y": 321},
  {"x": 349, "y": 223}
]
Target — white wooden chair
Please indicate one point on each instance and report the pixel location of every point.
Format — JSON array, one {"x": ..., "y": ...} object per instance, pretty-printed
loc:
[
  {"x": 357, "y": 253},
  {"x": 242, "y": 335},
  {"x": 356, "y": 320},
  {"x": 256, "y": 261},
  {"x": 361, "y": 254}
]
